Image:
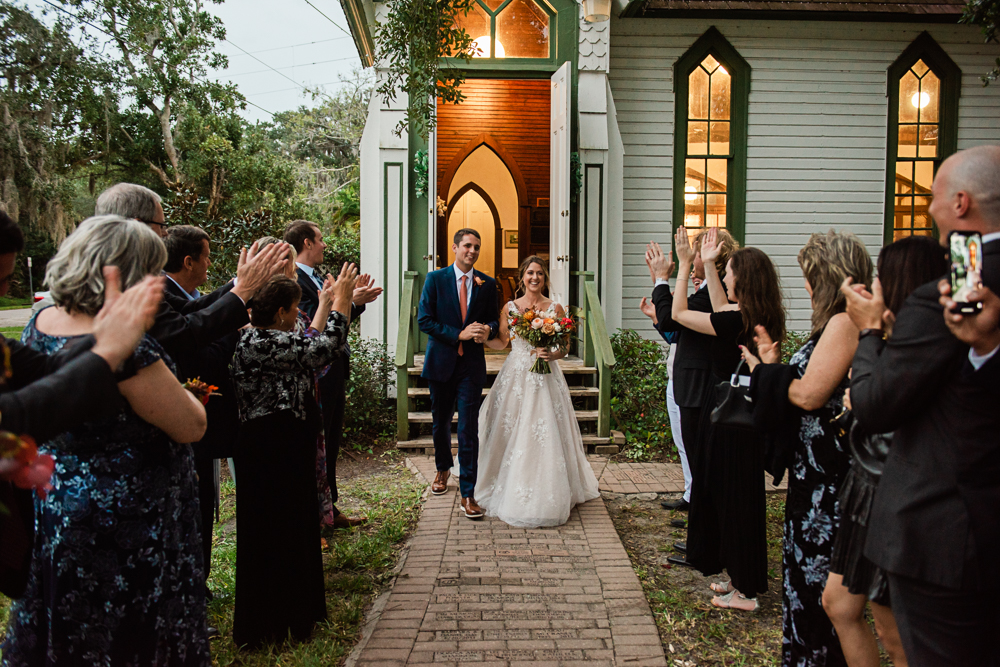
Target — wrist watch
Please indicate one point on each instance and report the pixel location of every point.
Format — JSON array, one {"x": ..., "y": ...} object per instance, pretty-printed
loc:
[{"x": 874, "y": 331}]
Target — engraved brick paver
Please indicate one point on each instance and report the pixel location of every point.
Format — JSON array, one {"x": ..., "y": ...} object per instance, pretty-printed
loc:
[{"x": 485, "y": 593}]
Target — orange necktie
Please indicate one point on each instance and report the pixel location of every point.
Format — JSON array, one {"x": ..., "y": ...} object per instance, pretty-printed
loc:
[{"x": 462, "y": 298}]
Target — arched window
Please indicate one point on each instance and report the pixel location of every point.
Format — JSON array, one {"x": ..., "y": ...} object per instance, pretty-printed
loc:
[
  {"x": 510, "y": 28},
  {"x": 923, "y": 90},
  {"x": 712, "y": 89}
]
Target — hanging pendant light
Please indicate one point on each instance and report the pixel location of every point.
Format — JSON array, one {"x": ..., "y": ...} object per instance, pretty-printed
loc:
[{"x": 596, "y": 11}]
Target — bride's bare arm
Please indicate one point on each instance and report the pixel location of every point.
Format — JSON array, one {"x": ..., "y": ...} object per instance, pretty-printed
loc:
[{"x": 503, "y": 334}]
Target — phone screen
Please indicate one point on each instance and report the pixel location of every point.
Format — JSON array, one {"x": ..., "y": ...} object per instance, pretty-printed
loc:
[{"x": 966, "y": 250}]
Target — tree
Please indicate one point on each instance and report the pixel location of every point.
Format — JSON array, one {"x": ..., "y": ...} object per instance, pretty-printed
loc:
[{"x": 986, "y": 14}]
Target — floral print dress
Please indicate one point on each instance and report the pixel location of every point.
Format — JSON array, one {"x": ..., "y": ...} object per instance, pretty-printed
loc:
[
  {"x": 811, "y": 518},
  {"x": 116, "y": 576}
]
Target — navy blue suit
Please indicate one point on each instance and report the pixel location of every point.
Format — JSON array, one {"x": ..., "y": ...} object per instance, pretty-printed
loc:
[{"x": 452, "y": 377}]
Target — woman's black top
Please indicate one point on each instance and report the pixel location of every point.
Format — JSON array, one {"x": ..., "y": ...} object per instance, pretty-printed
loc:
[{"x": 729, "y": 335}]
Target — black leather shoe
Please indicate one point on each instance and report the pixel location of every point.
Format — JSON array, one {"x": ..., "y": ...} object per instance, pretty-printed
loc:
[
  {"x": 679, "y": 560},
  {"x": 678, "y": 523},
  {"x": 679, "y": 505},
  {"x": 681, "y": 547}
]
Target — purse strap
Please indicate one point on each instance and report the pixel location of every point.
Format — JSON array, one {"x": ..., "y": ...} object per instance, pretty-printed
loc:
[{"x": 734, "y": 381}]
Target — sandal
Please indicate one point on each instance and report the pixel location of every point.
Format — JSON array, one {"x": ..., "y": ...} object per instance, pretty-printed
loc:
[
  {"x": 735, "y": 600},
  {"x": 722, "y": 587}
]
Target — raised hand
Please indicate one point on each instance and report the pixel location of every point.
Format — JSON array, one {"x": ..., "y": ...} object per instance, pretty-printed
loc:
[
  {"x": 863, "y": 307},
  {"x": 661, "y": 266},
  {"x": 124, "y": 318},
  {"x": 365, "y": 291},
  {"x": 710, "y": 246},
  {"x": 769, "y": 351},
  {"x": 682, "y": 246},
  {"x": 256, "y": 268},
  {"x": 343, "y": 288}
]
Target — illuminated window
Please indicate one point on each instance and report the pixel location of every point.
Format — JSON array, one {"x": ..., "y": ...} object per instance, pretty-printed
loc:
[
  {"x": 509, "y": 28},
  {"x": 923, "y": 109},
  {"x": 711, "y": 85}
]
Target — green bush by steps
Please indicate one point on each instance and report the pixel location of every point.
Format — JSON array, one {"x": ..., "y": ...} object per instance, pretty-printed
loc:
[
  {"x": 639, "y": 396},
  {"x": 370, "y": 416}
]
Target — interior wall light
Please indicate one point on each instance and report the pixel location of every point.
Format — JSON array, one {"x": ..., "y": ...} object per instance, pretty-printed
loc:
[{"x": 920, "y": 100}]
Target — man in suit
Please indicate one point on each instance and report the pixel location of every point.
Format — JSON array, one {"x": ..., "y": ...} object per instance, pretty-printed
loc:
[
  {"x": 458, "y": 311},
  {"x": 188, "y": 260},
  {"x": 183, "y": 325},
  {"x": 307, "y": 240},
  {"x": 692, "y": 372},
  {"x": 935, "y": 522}
]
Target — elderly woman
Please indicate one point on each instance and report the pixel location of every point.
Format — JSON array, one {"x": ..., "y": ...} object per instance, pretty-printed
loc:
[
  {"x": 804, "y": 399},
  {"x": 117, "y": 574}
]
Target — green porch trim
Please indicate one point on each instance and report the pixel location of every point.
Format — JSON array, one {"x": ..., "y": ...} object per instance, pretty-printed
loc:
[
  {"x": 403, "y": 360},
  {"x": 713, "y": 43},
  {"x": 922, "y": 48},
  {"x": 357, "y": 23}
]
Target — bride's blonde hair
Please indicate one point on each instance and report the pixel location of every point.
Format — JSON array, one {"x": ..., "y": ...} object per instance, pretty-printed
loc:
[{"x": 528, "y": 261}]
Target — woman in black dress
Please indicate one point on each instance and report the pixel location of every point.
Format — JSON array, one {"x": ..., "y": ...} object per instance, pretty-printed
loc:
[
  {"x": 279, "y": 565},
  {"x": 726, "y": 522},
  {"x": 811, "y": 388}
]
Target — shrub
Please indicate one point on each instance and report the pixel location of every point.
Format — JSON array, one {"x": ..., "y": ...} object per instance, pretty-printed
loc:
[
  {"x": 639, "y": 395},
  {"x": 369, "y": 416},
  {"x": 344, "y": 245},
  {"x": 793, "y": 341}
]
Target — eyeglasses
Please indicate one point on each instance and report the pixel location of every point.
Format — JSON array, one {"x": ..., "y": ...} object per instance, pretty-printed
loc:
[{"x": 150, "y": 222}]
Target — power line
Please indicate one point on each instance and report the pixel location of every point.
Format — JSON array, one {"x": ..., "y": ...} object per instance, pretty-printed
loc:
[
  {"x": 292, "y": 46},
  {"x": 285, "y": 90},
  {"x": 268, "y": 66},
  {"x": 329, "y": 19},
  {"x": 319, "y": 62}
]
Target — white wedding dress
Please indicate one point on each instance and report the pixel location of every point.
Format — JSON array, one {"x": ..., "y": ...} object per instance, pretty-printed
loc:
[{"x": 532, "y": 463}]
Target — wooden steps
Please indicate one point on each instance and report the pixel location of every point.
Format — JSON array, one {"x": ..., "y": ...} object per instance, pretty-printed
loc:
[
  {"x": 605, "y": 446},
  {"x": 427, "y": 417},
  {"x": 574, "y": 392},
  {"x": 494, "y": 362}
]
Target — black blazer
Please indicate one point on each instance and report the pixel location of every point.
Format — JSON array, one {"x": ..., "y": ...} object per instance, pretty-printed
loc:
[
  {"x": 310, "y": 296},
  {"x": 179, "y": 301},
  {"x": 692, "y": 373},
  {"x": 180, "y": 333},
  {"x": 936, "y": 513},
  {"x": 211, "y": 364}
]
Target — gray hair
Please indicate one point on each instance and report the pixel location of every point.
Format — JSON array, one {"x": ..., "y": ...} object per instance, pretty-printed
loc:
[
  {"x": 129, "y": 201},
  {"x": 75, "y": 275},
  {"x": 977, "y": 171},
  {"x": 265, "y": 241}
]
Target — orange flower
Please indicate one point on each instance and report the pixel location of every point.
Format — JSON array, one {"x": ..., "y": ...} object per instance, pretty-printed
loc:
[
  {"x": 549, "y": 320},
  {"x": 529, "y": 315}
]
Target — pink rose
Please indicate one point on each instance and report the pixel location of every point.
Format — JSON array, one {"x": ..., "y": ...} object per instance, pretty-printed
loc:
[
  {"x": 36, "y": 475},
  {"x": 537, "y": 323}
]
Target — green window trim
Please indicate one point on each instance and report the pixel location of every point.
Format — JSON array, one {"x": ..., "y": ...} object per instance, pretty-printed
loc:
[
  {"x": 922, "y": 48},
  {"x": 714, "y": 44}
]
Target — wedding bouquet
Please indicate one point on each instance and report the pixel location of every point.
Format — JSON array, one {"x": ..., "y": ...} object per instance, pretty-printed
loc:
[
  {"x": 23, "y": 465},
  {"x": 201, "y": 390},
  {"x": 541, "y": 329}
]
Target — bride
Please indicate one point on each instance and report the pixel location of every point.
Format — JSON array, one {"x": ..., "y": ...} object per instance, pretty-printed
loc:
[{"x": 532, "y": 464}]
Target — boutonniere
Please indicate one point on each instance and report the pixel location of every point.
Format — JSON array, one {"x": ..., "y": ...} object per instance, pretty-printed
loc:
[{"x": 479, "y": 281}]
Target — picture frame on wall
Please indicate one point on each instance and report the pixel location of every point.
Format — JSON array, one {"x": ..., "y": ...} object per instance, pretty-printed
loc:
[{"x": 510, "y": 239}]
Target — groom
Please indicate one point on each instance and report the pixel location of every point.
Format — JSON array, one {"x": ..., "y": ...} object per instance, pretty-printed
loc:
[{"x": 459, "y": 312}]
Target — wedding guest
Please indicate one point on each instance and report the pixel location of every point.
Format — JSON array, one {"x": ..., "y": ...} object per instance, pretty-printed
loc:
[
  {"x": 117, "y": 575},
  {"x": 307, "y": 240},
  {"x": 854, "y": 580},
  {"x": 937, "y": 511},
  {"x": 805, "y": 397},
  {"x": 46, "y": 395},
  {"x": 727, "y": 523},
  {"x": 279, "y": 566}
]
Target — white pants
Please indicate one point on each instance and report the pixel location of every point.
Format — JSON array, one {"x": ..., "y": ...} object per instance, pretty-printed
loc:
[{"x": 675, "y": 430}]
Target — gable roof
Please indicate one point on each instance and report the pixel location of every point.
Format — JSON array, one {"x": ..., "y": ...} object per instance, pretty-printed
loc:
[{"x": 849, "y": 10}]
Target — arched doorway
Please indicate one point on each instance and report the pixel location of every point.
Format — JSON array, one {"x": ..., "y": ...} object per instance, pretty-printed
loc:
[{"x": 472, "y": 207}]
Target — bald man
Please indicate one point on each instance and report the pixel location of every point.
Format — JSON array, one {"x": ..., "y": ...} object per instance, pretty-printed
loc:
[{"x": 935, "y": 523}]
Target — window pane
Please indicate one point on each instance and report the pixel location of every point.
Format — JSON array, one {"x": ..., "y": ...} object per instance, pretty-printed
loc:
[
  {"x": 904, "y": 207},
  {"x": 492, "y": 4},
  {"x": 920, "y": 68},
  {"x": 909, "y": 86},
  {"x": 698, "y": 94},
  {"x": 477, "y": 24},
  {"x": 930, "y": 98},
  {"x": 900, "y": 234},
  {"x": 522, "y": 31},
  {"x": 922, "y": 221},
  {"x": 697, "y": 138},
  {"x": 717, "y": 175},
  {"x": 720, "y": 94},
  {"x": 720, "y": 138},
  {"x": 694, "y": 211},
  {"x": 694, "y": 178},
  {"x": 709, "y": 63},
  {"x": 716, "y": 211},
  {"x": 928, "y": 140},
  {"x": 907, "y": 141},
  {"x": 923, "y": 177},
  {"x": 904, "y": 177}
]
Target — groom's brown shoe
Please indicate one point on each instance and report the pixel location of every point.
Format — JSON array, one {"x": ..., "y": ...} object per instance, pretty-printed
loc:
[
  {"x": 440, "y": 483},
  {"x": 471, "y": 509}
]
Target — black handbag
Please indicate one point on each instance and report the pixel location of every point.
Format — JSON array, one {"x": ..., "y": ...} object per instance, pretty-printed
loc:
[{"x": 733, "y": 406}]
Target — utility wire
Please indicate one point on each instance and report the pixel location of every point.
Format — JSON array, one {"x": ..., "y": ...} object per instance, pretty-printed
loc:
[
  {"x": 268, "y": 66},
  {"x": 329, "y": 19},
  {"x": 107, "y": 34},
  {"x": 292, "y": 46},
  {"x": 319, "y": 62},
  {"x": 285, "y": 90}
]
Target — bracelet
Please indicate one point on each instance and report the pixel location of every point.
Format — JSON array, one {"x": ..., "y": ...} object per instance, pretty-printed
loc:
[{"x": 872, "y": 332}]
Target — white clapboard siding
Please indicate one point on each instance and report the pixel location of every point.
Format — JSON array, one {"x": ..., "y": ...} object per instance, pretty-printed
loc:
[{"x": 817, "y": 131}]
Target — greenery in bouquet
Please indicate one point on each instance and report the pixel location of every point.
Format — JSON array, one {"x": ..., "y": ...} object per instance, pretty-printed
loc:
[{"x": 542, "y": 329}]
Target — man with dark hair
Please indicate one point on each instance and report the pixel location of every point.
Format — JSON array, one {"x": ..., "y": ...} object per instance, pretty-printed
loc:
[
  {"x": 307, "y": 239},
  {"x": 46, "y": 395},
  {"x": 188, "y": 259}
]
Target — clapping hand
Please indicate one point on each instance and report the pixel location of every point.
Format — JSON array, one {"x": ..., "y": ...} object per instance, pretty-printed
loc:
[
  {"x": 661, "y": 266},
  {"x": 648, "y": 309},
  {"x": 125, "y": 317},
  {"x": 343, "y": 288},
  {"x": 866, "y": 309},
  {"x": 769, "y": 351},
  {"x": 682, "y": 246},
  {"x": 255, "y": 269},
  {"x": 980, "y": 331},
  {"x": 365, "y": 291}
]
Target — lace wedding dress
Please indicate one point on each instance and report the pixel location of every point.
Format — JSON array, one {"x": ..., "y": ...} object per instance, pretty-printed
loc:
[{"x": 532, "y": 463}]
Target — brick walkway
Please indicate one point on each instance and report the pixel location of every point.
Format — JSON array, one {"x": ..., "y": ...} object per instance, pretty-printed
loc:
[
  {"x": 484, "y": 592},
  {"x": 650, "y": 477}
]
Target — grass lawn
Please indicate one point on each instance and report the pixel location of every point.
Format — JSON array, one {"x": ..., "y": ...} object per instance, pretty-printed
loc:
[
  {"x": 13, "y": 333},
  {"x": 12, "y": 303},
  {"x": 358, "y": 563}
]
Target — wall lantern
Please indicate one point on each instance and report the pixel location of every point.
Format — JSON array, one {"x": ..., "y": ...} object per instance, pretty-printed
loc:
[{"x": 596, "y": 11}]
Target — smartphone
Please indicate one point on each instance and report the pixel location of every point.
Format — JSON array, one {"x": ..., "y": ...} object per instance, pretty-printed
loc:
[{"x": 966, "y": 270}]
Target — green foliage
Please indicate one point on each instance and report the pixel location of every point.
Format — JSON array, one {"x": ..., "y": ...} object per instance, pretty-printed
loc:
[
  {"x": 986, "y": 14},
  {"x": 420, "y": 167},
  {"x": 793, "y": 341},
  {"x": 370, "y": 415},
  {"x": 411, "y": 41},
  {"x": 343, "y": 246},
  {"x": 639, "y": 394}
]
